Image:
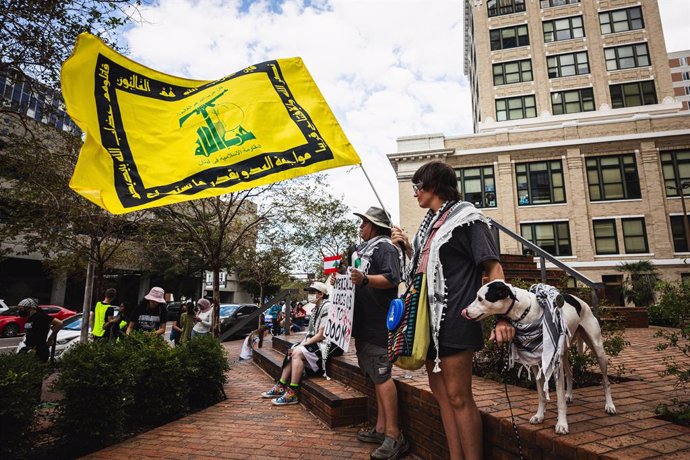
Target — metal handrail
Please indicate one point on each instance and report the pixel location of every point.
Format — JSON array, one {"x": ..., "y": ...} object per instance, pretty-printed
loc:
[{"x": 543, "y": 255}]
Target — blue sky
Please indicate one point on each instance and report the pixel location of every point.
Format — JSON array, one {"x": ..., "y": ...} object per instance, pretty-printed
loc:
[{"x": 388, "y": 68}]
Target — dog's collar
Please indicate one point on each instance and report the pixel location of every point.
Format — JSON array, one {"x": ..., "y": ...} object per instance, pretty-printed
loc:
[{"x": 512, "y": 304}]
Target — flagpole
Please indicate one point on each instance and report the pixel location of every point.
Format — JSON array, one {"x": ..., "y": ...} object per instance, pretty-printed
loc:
[{"x": 374, "y": 189}]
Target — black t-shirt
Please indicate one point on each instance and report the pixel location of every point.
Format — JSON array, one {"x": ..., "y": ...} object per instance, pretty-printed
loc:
[
  {"x": 462, "y": 257},
  {"x": 149, "y": 319},
  {"x": 371, "y": 305},
  {"x": 37, "y": 327}
]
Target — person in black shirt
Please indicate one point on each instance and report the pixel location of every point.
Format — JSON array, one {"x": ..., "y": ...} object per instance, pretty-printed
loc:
[
  {"x": 151, "y": 314},
  {"x": 37, "y": 326}
]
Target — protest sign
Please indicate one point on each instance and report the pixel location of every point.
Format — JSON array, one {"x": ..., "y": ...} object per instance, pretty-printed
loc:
[{"x": 339, "y": 323}]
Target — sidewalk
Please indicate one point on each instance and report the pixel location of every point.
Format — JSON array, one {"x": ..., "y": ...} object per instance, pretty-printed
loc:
[{"x": 243, "y": 427}]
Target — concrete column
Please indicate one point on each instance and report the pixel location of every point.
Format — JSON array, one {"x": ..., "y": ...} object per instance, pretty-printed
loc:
[
  {"x": 144, "y": 286},
  {"x": 57, "y": 291},
  {"x": 506, "y": 193},
  {"x": 578, "y": 206},
  {"x": 656, "y": 215}
]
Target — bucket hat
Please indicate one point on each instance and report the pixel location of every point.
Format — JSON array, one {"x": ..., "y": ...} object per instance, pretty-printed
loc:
[
  {"x": 376, "y": 216},
  {"x": 156, "y": 294}
]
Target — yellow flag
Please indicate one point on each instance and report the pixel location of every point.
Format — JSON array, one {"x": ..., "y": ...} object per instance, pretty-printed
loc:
[{"x": 154, "y": 139}]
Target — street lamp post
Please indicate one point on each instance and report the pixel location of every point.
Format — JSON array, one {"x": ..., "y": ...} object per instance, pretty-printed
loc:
[{"x": 686, "y": 226}]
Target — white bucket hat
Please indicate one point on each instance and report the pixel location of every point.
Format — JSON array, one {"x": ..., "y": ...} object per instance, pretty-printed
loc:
[{"x": 156, "y": 294}]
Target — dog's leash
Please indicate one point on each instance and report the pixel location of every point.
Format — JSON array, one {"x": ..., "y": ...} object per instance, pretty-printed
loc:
[{"x": 504, "y": 372}]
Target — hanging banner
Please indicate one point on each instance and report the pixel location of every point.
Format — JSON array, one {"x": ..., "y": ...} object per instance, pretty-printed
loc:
[
  {"x": 339, "y": 322},
  {"x": 154, "y": 139}
]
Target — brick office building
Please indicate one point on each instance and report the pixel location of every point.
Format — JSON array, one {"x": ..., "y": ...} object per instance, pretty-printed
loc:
[
  {"x": 579, "y": 144},
  {"x": 679, "y": 62}
]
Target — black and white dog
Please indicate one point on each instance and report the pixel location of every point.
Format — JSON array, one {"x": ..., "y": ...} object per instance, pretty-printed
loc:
[{"x": 521, "y": 307}]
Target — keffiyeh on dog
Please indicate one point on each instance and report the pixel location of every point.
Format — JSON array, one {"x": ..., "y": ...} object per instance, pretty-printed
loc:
[{"x": 541, "y": 343}]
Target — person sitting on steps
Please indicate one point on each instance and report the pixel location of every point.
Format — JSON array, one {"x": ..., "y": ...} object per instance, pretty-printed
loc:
[{"x": 309, "y": 354}]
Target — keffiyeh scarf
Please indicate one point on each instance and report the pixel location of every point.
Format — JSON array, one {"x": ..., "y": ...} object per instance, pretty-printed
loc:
[
  {"x": 541, "y": 342},
  {"x": 459, "y": 213}
]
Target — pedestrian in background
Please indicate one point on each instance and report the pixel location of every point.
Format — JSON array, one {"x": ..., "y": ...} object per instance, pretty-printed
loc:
[
  {"x": 37, "y": 326},
  {"x": 151, "y": 314},
  {"x": 186, "y": 321},
  {"x": 101, "y": 315},
  {"x": 203, "y": 319}
]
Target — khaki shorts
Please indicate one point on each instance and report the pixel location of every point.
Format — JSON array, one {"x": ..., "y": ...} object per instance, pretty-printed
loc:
[{"x": 373, "y": 361}]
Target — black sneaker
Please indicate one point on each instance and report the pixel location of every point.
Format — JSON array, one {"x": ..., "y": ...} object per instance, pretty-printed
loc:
[
  {"x": 371, "y": 435},
  {"x": 391, "y": 449}
]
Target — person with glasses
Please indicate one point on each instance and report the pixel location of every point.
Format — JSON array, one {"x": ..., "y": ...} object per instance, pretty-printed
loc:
[{"x": 454, "y": 247}]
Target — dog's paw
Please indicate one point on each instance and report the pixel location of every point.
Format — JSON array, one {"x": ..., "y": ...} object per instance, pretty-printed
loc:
[
  {"x": 536, "y": 419},
  {"x": 610, "y": 409},
  {"x": 562, "y": 428},
  {"x": 569, "y": 398}
]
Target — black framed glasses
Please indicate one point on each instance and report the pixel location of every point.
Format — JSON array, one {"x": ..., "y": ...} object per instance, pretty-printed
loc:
[{"x": 417, "y": 186}]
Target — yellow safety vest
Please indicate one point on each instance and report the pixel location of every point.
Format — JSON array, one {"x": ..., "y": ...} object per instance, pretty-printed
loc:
[{"x": 99, "y": 319}]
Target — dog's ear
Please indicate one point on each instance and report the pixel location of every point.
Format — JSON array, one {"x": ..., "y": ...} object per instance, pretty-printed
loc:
[{"x": 498, "y": 290}]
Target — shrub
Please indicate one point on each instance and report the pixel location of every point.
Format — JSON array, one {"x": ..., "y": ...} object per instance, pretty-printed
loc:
[
  {"x": 21, "y": 378},
  {"x": 96, "y": 381},
  {"x": 679, "y": 409},
  {"x": 205, "y": 363},
  {"x": 159, "y": 389},
  {"x": 673, "y": 307}
]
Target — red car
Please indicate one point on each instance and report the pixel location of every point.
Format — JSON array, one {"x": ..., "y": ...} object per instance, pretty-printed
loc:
[{"x": 11, "y": 324}]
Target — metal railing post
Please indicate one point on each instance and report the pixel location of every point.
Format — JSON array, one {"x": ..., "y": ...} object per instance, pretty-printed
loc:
[{"x": 542, "y": 264}]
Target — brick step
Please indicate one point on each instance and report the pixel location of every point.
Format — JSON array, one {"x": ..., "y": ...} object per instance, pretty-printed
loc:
[{"x": 333, "y": 402}]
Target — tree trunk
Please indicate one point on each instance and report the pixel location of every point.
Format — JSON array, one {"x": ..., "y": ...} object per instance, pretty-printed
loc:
[
  {"x": 88, "y": 292},
  {"x": 215, "y": 324},
  {"x": 261, "y": 304}
]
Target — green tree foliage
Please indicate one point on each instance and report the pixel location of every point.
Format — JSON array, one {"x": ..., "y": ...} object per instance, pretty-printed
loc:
[
  {"x": 640, "y": 279},
  {"x": 36, "y": 36},
  {"x": 673, "y": 308}
]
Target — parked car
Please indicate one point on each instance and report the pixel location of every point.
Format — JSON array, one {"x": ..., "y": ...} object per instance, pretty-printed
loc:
[
  {"x": 173, "y": 309},
  {"x": 3, "y": 305},
  {"x": 67, "y": 337},
  {"x": 231, "y": 313},
  {"x": 11, "y": 324}
]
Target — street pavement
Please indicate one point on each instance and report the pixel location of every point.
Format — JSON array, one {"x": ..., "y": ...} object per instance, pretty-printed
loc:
[{"x": 9, "y": 344}]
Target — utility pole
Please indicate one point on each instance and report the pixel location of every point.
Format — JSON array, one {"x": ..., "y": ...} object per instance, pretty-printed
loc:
[{"x": 686, "y": 226}]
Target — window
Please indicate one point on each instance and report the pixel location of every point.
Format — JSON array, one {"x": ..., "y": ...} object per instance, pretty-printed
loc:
[
  {"x": 566, "y": 65},
  {"x": 478, "y": 186},
  {"x": 686, "y": 75},
  {"x": 676, "y": 169},
  {"x": 506, "y": 73},
  {"x": 515, "y": 108},
  {"x": 563, "y": 29},
  {"x": 627, "y": 57},
  {"x": 552, "y": 237},
  {"x": 574, "y": 101},
  {"x": 540, "y": 183},
  {"x": 635, "y": 235},
  {"x": 605, "y": 238},
  {"x": 613, "y": 178},
  {"x": 549, "y": 3},
  {"x": 499, "y": 7},
  {"x": 633, "y": 94},
  {"x": 680, "y": 242},
  {"x": 509, "y": 37},
  {"x": 621, "y": 20}
]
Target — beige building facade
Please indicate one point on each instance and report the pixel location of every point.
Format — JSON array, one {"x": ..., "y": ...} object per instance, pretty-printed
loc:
[{"x": 579, "y": 144}]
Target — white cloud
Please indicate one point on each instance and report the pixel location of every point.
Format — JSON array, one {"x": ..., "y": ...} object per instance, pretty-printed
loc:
[{"x": 387, "y": 68}]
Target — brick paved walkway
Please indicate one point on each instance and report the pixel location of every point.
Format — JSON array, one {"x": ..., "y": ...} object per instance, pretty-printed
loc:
[{"x": 243, "y": 427}]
